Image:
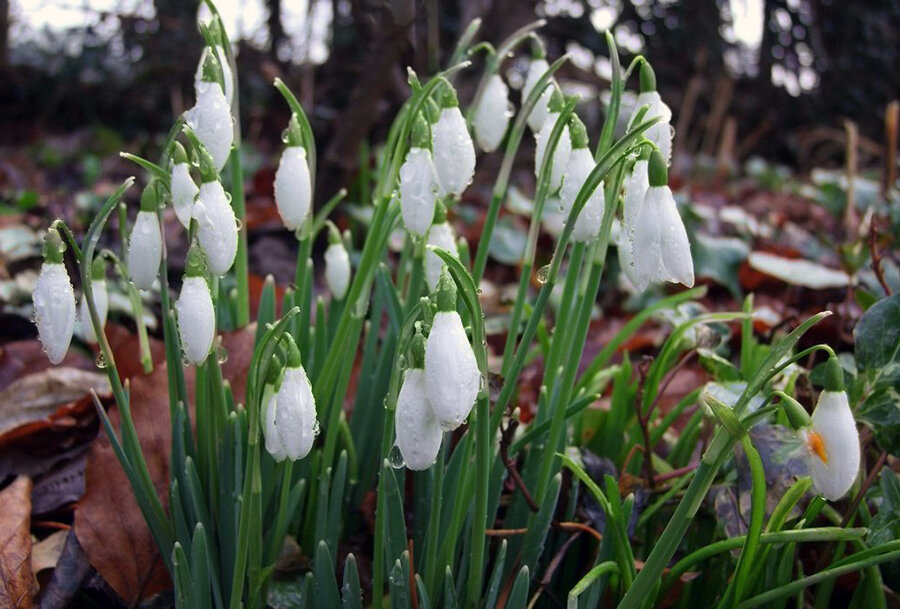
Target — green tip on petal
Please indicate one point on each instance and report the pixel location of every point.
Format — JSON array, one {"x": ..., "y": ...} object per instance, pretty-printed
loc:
[
  {"x": 212, "y": 71},
  {"x": 54, "y": 247},
  {"x": 656, "y": 171},
  {"x": 417, "y": 351},
  {"x": 557, "y": 102},
  {"x": 538, "y": 50},
  {"x": 150, "y": 197},
  {"x": 293, "y": 134},
  {"x": 218, "y": 32},
  {"x": 648, "y": 77},
  {"x": 273, "y": 374},
  {"x": 440, "y": 213},
  {"x": 448, "y": 97},
  {"x": 796, "y": 413},
  {"x": 834, "y": 375},
  {"x": 578, "y": 133},
  {"x": 195, "y": 265},
  {"x": 179, "y": 154},
  {"x": 293, "y": 353},
  {"x": 446, "y": 292},
  {"x": 334, "y": 235},
  {"x": 432, "y": 110},
  {"x": 421, "y": 133},
  {"x": 98, "y": 269}
]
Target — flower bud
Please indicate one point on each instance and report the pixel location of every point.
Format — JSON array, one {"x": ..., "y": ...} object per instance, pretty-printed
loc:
[
  {"x": 418, "y": 190},
  {"x": 833, "y": 446},
  {"x": 452, "y": 378},
  {"x": 227, "y": 76},
  {"x": 560, "y": 155},
  {"x": 337, "y": 265},
  {"x": 295, "y": 411},
  {"x": 211, "y": 121},
  {"x": 101, "y": 302},
  {"x": 415, "y": 424},
  {"x": 54, "y": 300},
  {"x": 439, "y": 235},
  {"x": 538, "y": 115},
  {"x": 293, "y": 184},
  {"x": 270, "y": 433},
  {"x": 184, "y": 190},
  {"x": 217, "y": 230},
  {"x": 454, "y": 153},
  {"x": 587, "y": 225},
  {"x": 492, "y": 114},
  {"x": 660, "y": 133},
  {"x": 196, "y": 315},
  {"x": 145, "y": 245}
]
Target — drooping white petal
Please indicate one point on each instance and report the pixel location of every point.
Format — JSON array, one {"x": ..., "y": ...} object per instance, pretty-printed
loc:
[
  {"x": 211, "y": 121},
  {"x": 145, "y": 250},
  {"x": 452, "y": 378},
  {"x": 418, "y": 190},
  {"x": 196, "y": 319},
  {"x": 101, "y": 303},
  {"x": 660, "y": 247},
  {"x": 228, "y": 77},
  {"x": 217, "y": 230},
  {"x": 293, "y": 189},
  {"x": 273, "y": 441},
  {"x": 636, "y": 185},
  {"x": 833, "y": 444},
  {"x": 560, "y": 156},
  {"x": 492, "y": 114},
  {"x": 660, "y": 133},
  {"x": 418, "y": 430},
  {"x": 295, "y": 414},
  {"x": 439, "y": 235},
  {"x": 337, "y": 270},
  {"x": 184, "y": 191},
  {"x": 454, "y": 152},
  {"x": 587, "y": 225},
  {"x": 538, "y": 115},
  {"x": 54, "y": 310},
  {"x": 589, "y": 221}
]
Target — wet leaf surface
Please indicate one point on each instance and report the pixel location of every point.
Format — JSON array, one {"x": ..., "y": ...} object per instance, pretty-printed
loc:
[{"x": 18, "y": 585}]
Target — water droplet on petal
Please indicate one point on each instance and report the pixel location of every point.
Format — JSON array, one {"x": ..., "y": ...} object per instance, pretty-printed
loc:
[{"x": 395, "y": 458}]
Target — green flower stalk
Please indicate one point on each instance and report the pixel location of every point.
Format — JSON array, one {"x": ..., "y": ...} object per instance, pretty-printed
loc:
[{"x": 101, "y": 302}]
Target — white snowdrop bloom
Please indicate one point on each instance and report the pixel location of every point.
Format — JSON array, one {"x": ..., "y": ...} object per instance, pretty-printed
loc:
[
  {"x": 452, "y": 378},
  {"x": 210, "y": 119},
  {"x": 587, "y": 224},
  {"x": 337, "y": 269},
  {"x": 54, "y": 309},
  {"x": 101, "y": 303},
  {"x": 200, "y": 85},
  {"x": 418, "y": 190},
  {"x": 833, "y": 445},
  {"x": 196, "y": 319},
  {"x": 217, "y": 230},
  {"x": 439, "y": 235},
  {"x": 660, "y": 247},
  {"x": 293, "y": 187},
  {"x": 561, "y": 153},
  {"x": 660, "y": 133},
  {"x": 453, "y": 151},
  {"x": 145, "y": 249},
  {"x": 416, "y": 426},
  {"x": 184, "y": 191},
  {"x": 635, "y": 186},
  {"x": 492, "y": 114},
  {"x": 273, "y": 440},
  {"x": 295, "y": 413},
  {"x": 538, "y": 115}
]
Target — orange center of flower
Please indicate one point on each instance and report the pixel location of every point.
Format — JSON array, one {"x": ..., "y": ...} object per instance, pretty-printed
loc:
[{"x": 817, "y": 445}]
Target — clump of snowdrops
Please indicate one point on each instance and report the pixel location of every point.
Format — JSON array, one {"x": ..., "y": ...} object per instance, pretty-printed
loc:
[{"x": 469, "y": 510}]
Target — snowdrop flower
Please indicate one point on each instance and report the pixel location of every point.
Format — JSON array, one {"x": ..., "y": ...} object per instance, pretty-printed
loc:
[
  {"x": 453, "y": 150},
  {"x": 145, "y": 244},
  {"x": 452, "y": 378},
  {"x": 295, "y": 408},
  {"x": 270, "y": 433},
  {"x": 580, "y": 165},
  {"x": 832, "y": 440},
  {"x": 538, "y": 115},
  {"x": 660, "y": 247},
  {"x": 101, "y": 302},
  {"x": 54, "y": 300},
  {"x": 184, "y": 190},
  {"x": 439, "y": 235},
  {"x": 293, "y": 183},
  {"x": 217, "y": 230},
  {"x": 337, "y": 264},
  {"x": 660, "y": 133},
  {"x": 210, "y": 118},
  {"x": 196, "y": 315},
  {"x": 415, "y": 424},
  {"x": 563, "y": 146},
  {"x": 418, "y": 182},
  {"x": 635, "y": 186},
  {"x": 227, "y": 75},
  {"x": 492, "y": 114}
]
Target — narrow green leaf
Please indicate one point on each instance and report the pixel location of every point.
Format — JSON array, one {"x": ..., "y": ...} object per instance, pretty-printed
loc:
[
  {"x": 327, "y": 592},
  {"x": 519, "y": 594},
  {"x": 351, "y": 592}
]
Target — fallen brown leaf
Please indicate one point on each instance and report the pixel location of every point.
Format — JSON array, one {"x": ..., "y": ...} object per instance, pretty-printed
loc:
[
  {"x": 47, "y": 551},
  {"x": 18, "y": 585}
]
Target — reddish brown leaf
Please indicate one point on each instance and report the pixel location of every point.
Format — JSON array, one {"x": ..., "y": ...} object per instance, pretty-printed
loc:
[
  {"x": 24, "y": 357},
  {"x": 17, "y": 582}
]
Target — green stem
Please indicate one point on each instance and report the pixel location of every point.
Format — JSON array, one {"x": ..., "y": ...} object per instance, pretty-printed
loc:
[
  {"x": 757, "y": 516},
  {"x": 240, "y": 212}
]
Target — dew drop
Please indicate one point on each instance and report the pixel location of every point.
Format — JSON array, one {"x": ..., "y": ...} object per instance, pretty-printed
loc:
[
  {"x": 239, "y": 224},
  {"x": 401, "y": 363},
  {"x": 221, "y": 354},
  {"x": 316, "y": 428},
  {"x": 395, "y": 457},
  {"x": 482, "y": 382},
  {"x": 100, "y": 361},
  {"x": 543, "y": 274},
  {"x": 285, "y": 135}
]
